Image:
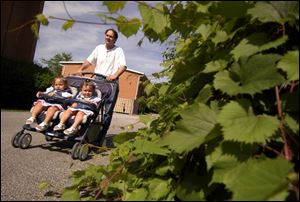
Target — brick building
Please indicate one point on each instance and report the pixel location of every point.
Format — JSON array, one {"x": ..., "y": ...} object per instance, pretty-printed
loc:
[{"x": 130, "y": 88}]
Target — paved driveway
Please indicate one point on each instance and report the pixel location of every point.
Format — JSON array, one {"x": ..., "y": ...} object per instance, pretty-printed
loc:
[{"x": 22, "y": 170}]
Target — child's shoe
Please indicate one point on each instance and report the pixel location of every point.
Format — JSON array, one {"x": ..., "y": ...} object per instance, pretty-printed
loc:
[
  {"x": 59, "y": 127},
  {"x": 71, "y": 131},
  {"x": 30, "y": 121},
  {"x": 41, "y": 127}
]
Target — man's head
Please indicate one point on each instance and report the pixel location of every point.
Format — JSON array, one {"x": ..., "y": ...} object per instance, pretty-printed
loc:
[{"x": 111, "y": 37}]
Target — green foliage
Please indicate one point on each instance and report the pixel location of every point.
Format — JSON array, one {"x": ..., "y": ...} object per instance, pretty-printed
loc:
[
  {"x": 68, "y": 24},
  {"x": 228, "y": 116},
  {"x": 53, "y": 64}
]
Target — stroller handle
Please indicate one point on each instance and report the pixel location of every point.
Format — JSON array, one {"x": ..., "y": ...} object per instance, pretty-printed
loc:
[{"x": 84, "y": 73}]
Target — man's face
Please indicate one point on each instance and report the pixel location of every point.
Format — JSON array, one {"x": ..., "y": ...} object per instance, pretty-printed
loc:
[{"x": 110, "y": 38}]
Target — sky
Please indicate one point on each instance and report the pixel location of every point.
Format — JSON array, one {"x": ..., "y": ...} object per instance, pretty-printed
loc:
[{"x": 81, "y": 39}]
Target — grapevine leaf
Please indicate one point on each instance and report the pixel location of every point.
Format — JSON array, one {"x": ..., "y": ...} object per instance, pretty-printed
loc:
[
  {"x": 154, "y": 17},
  {"x": 205, "y": 31},
  {"x": 68, "y": 24},
  {"x": 42, "y": 19},
  {"x": 231, "y": 9},
  {"x": 43, "y": 185},
  {"x": 240, "y": 124},
  {"x": 249, "y": 76},
  {"x": 259, "y": 180},
  {"x": 279, "y": 12},
  {"x": 70, "y": 194},
  {"x": 34, "y": 28},
  {"x": 290, "y": 64},
  {"x": 114, "y": 6},
  {"x": 128, "y": 27},
  {"x": 216, "y": 65},
  {"x": 190, "y": 187},
  {"x": 205, "y": 94},
  {"x": 144, "y": 146},
  {"x": 197, "y": 121},
  {"x": 159, "y": 188},
  {"x": 255, "y": 43},
  {"x": 136, "y": 195},
  {"x": 123, "y": 137},
  {"x": 292, "y": 124},
  {"x": 221, "y": 36}
]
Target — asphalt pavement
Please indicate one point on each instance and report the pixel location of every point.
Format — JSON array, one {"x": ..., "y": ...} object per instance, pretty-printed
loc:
[{"x": 22, "y": 170}]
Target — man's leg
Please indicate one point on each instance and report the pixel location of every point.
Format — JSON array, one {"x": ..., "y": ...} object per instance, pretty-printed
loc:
[{"x": 109, "y": 107}]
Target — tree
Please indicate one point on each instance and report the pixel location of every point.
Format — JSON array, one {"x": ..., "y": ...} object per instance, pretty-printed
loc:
[
  {"x": 53, "y": 63},
  {"x": 228, "y": 123}
]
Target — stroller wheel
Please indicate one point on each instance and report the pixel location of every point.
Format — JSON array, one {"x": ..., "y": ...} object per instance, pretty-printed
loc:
[
  {"x": 25, "y": 140},
  {"x": 83, "y": 152},
  {"x": 48, "y": 138},
  {"x": 15, "y": 139},
  {"x": 75, "y": 150}
]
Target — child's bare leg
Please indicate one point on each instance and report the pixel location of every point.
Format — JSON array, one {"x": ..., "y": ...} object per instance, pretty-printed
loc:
[
  {"x": 37, "y": 109},
  {"x": 66, "y": 115},
  {"x": 78, "y": 119},
  {"x": 50, "y": 113}
]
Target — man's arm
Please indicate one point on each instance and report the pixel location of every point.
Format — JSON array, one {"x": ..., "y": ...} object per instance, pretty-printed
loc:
[
  {"x": 117, "y": 74},
  {"x": 86, "y": 64}
]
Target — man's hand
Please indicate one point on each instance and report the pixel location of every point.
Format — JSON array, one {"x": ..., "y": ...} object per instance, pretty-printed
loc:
[{"x": 110, "y": 77}]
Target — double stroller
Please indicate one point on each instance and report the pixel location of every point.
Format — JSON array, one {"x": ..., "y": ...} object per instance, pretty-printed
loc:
[{"x": 90, "y": 128}]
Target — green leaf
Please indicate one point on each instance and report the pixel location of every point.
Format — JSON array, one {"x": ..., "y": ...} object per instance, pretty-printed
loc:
[
  {"x": 197, "y": 121},
  {"x": 159, "y": 188},
  {"x": 265, "y": 12},
  {"x": 259, "y": 180},
  {"x": 136, "y": 195},
  {"x": 114, "y": 6},
  {"x": 205, "y": 94},
  {"x": 205, "y": 31},
  {"x": 128, "y": 27},
  {"x": 145, "y": 119},
  {"x": 220, "y": 37},
  {"x": 250, "y": 76},
  {"x": 123, "y": 137},
  {"x": 70, "y": 195},
  {"x": 240, "y": 124},
  {"x": 290, "y": 64},
  {"x": 231, "y": 9},
  {"x": 216, "y": 65},
  {"x": 42, "y": 19},
  {"x": 43, "y": 185},
  {"x": 154, "y": 17},
  {"x": 292, "y": 124},
  {"x": 149, "y": 88},
  {"x": 144, "y": 146},
  {"x": 35, "y": 29},
  {"x": 190, "y": 187},
  {"x": 68, "y": 24},
  {"x": 279, "y": 12},
  {"x": 255, "y": 43}
]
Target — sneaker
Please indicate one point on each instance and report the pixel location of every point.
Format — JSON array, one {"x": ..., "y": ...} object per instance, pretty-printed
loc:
[
  {"x": 41, "y": 127},
  {"x": 70, "y": 131},
  {"x": 59, "y": 127},
  {"x": 30, "y": 120}
]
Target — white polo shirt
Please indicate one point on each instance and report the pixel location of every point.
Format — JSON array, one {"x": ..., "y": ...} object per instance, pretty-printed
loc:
[{"x": 106, "y": 61}]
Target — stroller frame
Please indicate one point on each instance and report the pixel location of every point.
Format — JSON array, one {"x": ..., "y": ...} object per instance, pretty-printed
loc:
[{"x": 89, "y": 132}]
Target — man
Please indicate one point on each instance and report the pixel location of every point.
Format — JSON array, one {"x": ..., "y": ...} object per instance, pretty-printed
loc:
[{"x": 109, "y": 61}]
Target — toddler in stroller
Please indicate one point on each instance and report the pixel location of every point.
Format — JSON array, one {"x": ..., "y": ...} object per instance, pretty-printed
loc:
[
  {"x": 86, "y": 127},
  {"x": 87, "y": 94},
  {"x": 49, "y": 103}
]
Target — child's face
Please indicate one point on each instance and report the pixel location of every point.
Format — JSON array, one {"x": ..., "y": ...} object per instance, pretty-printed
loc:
[
  {"x": 87, "y": 91},
  {"x": 59, "y": 84}
]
